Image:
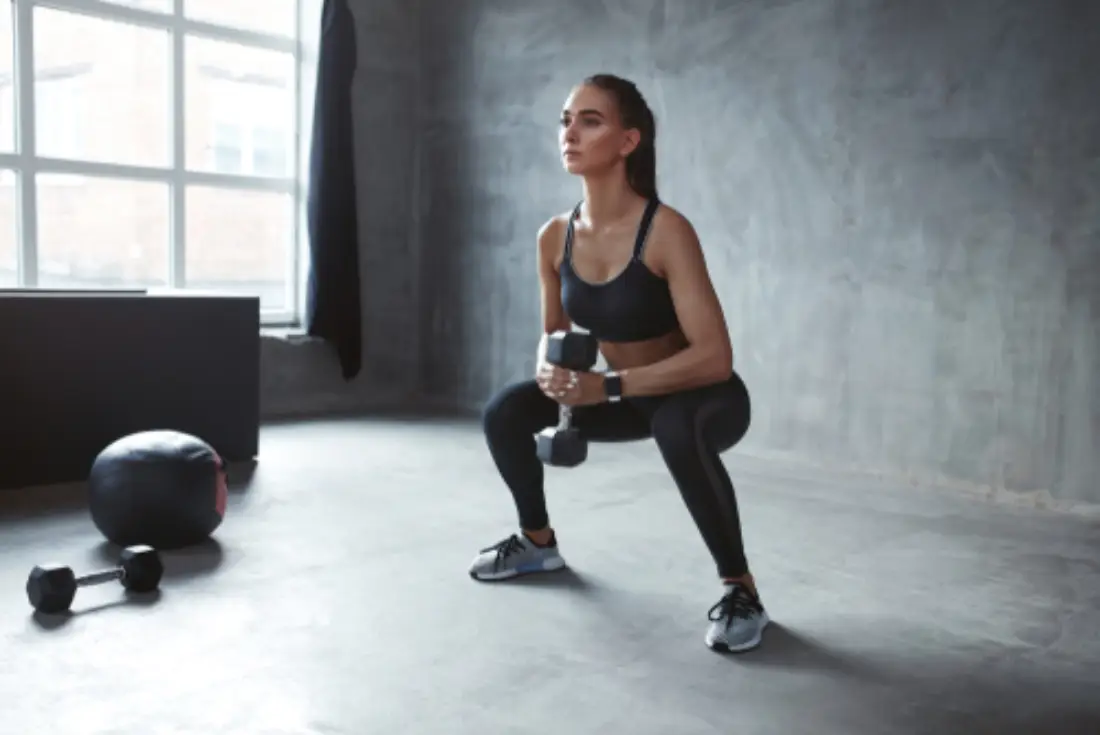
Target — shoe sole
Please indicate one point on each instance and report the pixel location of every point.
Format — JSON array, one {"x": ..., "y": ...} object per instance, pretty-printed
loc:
[
  {"x": 725, "y": 647},
  {"x": 550, "y": 565}
]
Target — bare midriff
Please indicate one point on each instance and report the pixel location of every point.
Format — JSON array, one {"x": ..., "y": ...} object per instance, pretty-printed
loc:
[{"x": 626, "y": 355}]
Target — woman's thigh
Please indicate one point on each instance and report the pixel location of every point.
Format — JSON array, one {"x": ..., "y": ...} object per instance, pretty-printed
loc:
[
  {"x": 612, "y": 422},
  {"x": 523, "y": 407},
  {"x": 519, "y": 407}
]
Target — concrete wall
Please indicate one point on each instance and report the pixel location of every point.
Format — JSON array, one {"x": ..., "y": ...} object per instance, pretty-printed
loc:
[
  {"x": 899, "y": 202},
  {"x": 302, "y": 376}
]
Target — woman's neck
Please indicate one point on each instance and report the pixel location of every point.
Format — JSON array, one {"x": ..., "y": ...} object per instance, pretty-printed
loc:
[{"x": 608, "y": 199}]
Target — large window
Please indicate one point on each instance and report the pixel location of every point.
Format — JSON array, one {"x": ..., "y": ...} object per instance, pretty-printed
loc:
[{"x": 152, "y": 143}]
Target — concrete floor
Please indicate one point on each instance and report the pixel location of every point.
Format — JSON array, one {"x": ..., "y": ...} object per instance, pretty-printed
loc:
[{"x": 336, "y": 600}]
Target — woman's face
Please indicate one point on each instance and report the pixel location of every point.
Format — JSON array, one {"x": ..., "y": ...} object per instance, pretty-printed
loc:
[{"x": 591, "y": 136}]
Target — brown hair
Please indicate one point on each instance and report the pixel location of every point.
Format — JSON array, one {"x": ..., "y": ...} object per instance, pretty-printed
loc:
[{"x": 641, "y": 164}]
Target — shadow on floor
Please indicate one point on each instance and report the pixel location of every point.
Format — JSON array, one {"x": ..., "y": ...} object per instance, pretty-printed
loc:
[
  {"x": 785, "y": 648},
  {"x": 50, "y": 622},
  {"x": 888, "y": 675},
  {"x": 562, "y": 579},
  {"x": 179, "y": 564},
  {"x": 241, "y": 475},
  {"x": 939, "y": 691}
]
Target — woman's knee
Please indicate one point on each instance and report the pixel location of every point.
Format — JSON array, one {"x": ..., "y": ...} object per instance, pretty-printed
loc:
[
  {"x": 732, "y": 421},
  {"x": 674, "y": 427},
  {"x": 517, "y": 408}
]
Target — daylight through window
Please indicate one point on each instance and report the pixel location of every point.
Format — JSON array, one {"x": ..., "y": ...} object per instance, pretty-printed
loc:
[{"x": 152, "y": 143}]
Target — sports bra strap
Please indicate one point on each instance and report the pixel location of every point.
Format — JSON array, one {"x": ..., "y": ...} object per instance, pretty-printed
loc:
[
  {"x": 644, "y": 227},
  {"x": 569, "y": 230}
]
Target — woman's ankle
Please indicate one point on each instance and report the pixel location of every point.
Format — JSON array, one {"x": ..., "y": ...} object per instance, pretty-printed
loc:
[
  {"x": 745, "y": 580},
  {"x": 540, "y": 537}
]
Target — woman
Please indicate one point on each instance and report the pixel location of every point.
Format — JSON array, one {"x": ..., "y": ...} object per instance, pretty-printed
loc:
[{"x": 630, "y": 270}]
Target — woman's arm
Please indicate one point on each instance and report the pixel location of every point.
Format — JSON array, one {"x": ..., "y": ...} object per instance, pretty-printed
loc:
[
  {"x": 550, "y": 242},
  {"x": 708, "y": 358}
]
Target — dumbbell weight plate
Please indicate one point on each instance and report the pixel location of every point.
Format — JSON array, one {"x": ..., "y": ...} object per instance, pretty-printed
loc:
[
  {"x": 572, "y": 350},
  {"x": 561, "y": 447},
  {"x": 143, "y": 568},
  {"x": 51, "y": 588}
]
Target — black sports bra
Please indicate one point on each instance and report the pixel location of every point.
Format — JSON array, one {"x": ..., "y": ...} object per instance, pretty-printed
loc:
[{"x": 633, "y": 306}]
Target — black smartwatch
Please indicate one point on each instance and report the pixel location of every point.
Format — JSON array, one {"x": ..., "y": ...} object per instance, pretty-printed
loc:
[{"x": 613, "y": 386}]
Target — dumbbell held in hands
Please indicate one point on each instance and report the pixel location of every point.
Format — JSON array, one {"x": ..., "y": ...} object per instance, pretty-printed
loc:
[
  {"x": 572, "y": 350},
  {"x": 568, "y": 358},
  {"x": 562, "y": 445},
  {"x": 52, "y": 587}
]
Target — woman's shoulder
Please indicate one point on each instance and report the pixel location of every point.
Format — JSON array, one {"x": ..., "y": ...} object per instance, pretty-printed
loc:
[
  {"x": 672, "y": 229},
  {"x": 551, "y": 234},
  {"x": 671, "y": 220},
  {"x": 555, "y": 225},
  {"x": 551, "y": 237}
]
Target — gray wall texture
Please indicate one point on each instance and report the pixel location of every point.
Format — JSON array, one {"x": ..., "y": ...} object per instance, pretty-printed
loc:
[{"x": 899, "y": 202}]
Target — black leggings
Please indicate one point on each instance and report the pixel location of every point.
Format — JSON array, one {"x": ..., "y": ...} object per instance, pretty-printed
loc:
[{"x": 691, "y": 428}]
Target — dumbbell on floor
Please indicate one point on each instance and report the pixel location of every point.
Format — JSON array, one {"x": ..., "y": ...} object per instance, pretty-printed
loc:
[
  {"x": 51, "y": 587},
  {"x": 562, "y": 445}
]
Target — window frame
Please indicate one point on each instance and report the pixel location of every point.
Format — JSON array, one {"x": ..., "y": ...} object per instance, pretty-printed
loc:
[
  {"x": 26, "y": 164},
  {"x": 245, "y": 119}
]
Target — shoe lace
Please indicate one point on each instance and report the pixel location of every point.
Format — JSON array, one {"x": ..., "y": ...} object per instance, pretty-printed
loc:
[
  {"x": 505, "y": 548},
  {"x": 737, "y": 603}
]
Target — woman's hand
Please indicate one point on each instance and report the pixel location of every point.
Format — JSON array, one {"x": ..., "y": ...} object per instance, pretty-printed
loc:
[{"x": 571, "y": 387}]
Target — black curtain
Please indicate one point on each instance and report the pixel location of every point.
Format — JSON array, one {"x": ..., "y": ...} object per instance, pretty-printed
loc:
[{"x": 333, "y": 299}]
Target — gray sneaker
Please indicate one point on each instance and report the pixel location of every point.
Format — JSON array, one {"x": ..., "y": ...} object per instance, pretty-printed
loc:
[
  {"x": 737, "y": 621},
  {"x": 515, "y": 556}
]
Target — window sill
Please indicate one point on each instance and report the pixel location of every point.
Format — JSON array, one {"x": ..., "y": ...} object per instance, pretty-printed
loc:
[{"x": 287, "y": 334}]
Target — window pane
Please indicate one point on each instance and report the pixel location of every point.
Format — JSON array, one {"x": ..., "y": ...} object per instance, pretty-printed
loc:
[
  {"x": 101, "y": 89},
  {"x": 9, "y": 230},
  {"x": 240, "y": 109},
  {"x": 97, "y": 232},
  {"x": 7, "y": 81},
  {"x": 228, "y": 145},
  {"x": 239, "y": 242},
  {"x": 269, "y": 16}
]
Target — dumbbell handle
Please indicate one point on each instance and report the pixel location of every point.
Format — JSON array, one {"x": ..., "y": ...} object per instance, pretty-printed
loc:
[
  {"x": 565, "y": 417},
  {"x": 109, "y": 575}
]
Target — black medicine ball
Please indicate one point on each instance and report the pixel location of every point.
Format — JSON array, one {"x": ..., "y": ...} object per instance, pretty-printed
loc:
[{"x": 165, "y": 489}]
